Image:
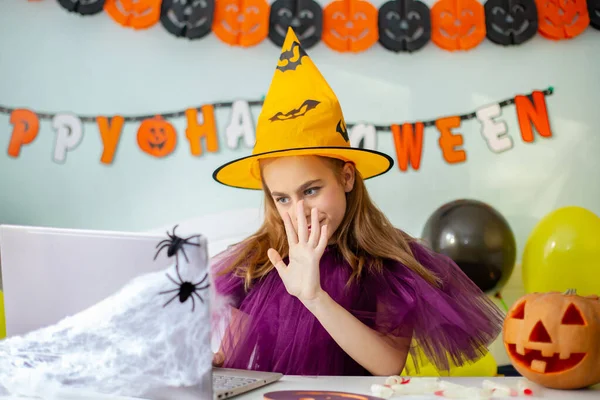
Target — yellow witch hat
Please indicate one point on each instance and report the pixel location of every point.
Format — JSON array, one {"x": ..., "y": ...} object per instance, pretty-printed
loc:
[{"x": 300, "y": 116}]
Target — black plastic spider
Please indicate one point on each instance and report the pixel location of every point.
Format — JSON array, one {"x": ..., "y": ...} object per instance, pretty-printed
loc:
[
  {"x": 174, "y": 244},
  {"x": 185, "y": 289}
]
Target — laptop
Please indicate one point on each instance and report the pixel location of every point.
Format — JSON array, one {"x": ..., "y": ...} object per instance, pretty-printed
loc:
[{"x": 34, "y": 262}]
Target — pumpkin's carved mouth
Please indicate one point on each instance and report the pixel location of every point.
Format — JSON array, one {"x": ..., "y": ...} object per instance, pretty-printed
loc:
[
  {"x": 535, "y": 361},
  {"x": 157, "y": 145}
]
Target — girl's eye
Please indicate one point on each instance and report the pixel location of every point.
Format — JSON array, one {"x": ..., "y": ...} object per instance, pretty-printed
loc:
[
  {"x": 311, "y": 191},
  {"x": 281, "y": 200}
]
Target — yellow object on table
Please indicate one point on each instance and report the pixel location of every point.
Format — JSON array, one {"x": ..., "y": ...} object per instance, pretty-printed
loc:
[
  {"x": 485, "y": 366},
  {"x": 2, "y": 319}
]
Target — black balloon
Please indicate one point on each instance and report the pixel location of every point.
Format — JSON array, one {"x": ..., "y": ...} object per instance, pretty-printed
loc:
[
  {"x": 187, "y": 18},
  {"x": 510, "y": 22},
  {"x": 477, "y": 238},
  {"x": 594, "y": 12},
  {"x": 83, "y": 7},
  {"x": 304, "y": 16},
  {"x": 404, "y": 25}
]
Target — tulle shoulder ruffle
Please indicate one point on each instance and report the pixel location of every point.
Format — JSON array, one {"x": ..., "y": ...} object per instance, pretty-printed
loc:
[{"x": 272, "y": 331}]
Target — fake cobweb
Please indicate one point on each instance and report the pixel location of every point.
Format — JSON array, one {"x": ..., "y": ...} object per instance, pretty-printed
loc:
[{"x": 129, "y": 344}]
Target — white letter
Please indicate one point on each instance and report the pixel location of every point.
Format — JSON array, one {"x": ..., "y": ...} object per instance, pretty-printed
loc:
[
  {"x": 69, "y": 132},
  {"x": 492, "y": 131},
  {"x": 240, "y": 125},
  {"x": 362, "y": 131}
]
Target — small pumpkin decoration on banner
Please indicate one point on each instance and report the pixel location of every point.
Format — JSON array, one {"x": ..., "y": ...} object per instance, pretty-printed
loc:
[
  {"x": 457, "y": 24},
  {"x": 510, "y": 22},
  {"x": 559, "y": 19},
  {"x": 350, "y": 25},
  {"x": 553, "y": 339},
  {"x": 404, "y": 25},
  {"x": 241, "y": 22},
  {"x": 137, "y": 14},
  {"x": 83, "y": 7},
  {"x": 157, "y": 137},
  {"x": 305, "y": 17},
  {"x": 594, "y": 13},
  {"x": 187, "y": 18}
]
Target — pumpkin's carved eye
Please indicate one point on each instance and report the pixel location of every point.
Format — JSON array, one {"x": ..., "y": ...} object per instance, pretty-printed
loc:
[
  {"x": 519, "y": 312},
  {"x": 573, "y": 316}
]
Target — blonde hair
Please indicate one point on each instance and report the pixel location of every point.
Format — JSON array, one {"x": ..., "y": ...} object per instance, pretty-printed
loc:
[{"x": 365, "y": 238}]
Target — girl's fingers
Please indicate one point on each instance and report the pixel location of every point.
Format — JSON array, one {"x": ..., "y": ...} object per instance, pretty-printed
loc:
[
  {"x": 315, "y": 228},
  {"x": 322, "y": 240},
  {"x": 276, "y": 260},
  {"x": 301, "y": 219},
  {"x": 289, "y": 229}
]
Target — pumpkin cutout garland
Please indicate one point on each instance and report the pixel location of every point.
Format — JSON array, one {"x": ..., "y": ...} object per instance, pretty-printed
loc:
[
  {"x": 305, "y": 17},
  {"x": 157, "y": 137},
  {"x": 83, "y": 7},
  {"x": 594, "y": 13},
  {"x": 241, "y": 22},
  {"x": 559, "y": 19},
  {"x": 457, "y": 24},
  {"x": 187, "y": 18},
  {"x": 404, "y": 25},
  {"x": 510, "y": 22},
  {"x": 553, "y": 339},
  {"x": 137, "y": 14},
  {"x": 350, "y": 25}
]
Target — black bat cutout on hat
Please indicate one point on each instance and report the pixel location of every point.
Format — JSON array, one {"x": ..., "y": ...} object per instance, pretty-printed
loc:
[
  {"x": 297, "y": 112},
  {"x": 187, "y": 18},
  {"x": 510, "y": 22},
  {"x": 290, "y": 59},
  {"x": 83, "y": 7},
  {"x": 341, "y": 129},
  {"x": 404, "y": 25},
  {"x": 594, "y": 13},
  {"x": 304, "y": 16}
]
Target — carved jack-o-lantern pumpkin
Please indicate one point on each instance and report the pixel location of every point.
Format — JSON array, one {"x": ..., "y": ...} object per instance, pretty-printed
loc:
[
  {"x": 457, "y": 24},
  {"x": 404, "y": 25},
  {"x": 510, "y": 22},
  {"x": 188, "y": 18},
  {"x": 553, "y": 339},
  {"x": 594, "y": 13},
  {"x": 241, "y": 22},
  {"x": 157, "y": 137},
  {"x": 83, "y": 7},
  {"x": 560, "y": 19},
  {"x": 350, "y": 25},
  {"x": 137, "y": 14},
  {"x": 305, "y": 17}
]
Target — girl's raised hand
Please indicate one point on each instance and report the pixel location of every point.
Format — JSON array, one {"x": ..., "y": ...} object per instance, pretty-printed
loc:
[{"x": 301, "y": 276}]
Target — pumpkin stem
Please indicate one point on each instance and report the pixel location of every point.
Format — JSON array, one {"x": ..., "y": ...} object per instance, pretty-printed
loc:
[{"x": 571, "y": 292}]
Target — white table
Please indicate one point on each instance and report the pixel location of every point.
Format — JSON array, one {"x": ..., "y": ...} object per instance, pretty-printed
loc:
[{"x": 362, "y": 385}]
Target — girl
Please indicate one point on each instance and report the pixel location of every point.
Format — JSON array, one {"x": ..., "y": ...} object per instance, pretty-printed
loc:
[{"x": 327, "y": 286}]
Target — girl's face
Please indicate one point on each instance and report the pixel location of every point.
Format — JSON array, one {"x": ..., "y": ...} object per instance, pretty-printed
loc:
[{"x": 312, "y": 179}]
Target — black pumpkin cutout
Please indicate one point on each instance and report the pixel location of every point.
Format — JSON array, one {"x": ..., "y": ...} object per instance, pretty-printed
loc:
[
  {"x": 188, "y": 18},
  {"x": 404, "y": 25},
  {"x": 304, "y": 16},
  {"x": 594, "y": 12},
  {"x": 83, "y": 7},
  {"x": 510, "y": 22}
]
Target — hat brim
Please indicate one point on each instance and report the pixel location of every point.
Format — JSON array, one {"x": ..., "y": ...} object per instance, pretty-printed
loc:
[{"x": 244, "y": 172}]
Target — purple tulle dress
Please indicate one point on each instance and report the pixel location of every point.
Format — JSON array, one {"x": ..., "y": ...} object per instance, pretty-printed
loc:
[{"x": 452, "y": 325}]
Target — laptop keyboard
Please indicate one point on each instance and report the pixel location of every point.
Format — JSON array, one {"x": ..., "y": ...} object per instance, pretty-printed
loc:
[{"x": 222, "y": 382}]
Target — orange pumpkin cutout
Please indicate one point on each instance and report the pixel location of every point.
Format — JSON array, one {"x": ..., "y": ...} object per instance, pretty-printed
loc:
[
  {"x": 560, "y": 19},
  {"x": 137, "y": 14},
  {"x": 241, "y": 22},
  {"x": 157, "y": 137},
  {"x": 350, "y": 25},
  {"x": 457, "y": 24},
  {"x": 553, "y": 339}
]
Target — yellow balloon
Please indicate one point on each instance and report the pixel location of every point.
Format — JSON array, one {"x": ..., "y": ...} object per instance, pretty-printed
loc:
[
  {"x": 2, "y": 320},
  {"x": 485, "y": 366},
  {"x": 563, "y": 252}
]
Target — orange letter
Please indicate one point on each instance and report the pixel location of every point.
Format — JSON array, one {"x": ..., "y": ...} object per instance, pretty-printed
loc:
[
  {"x": 448, "y": 140},
  {"x": 207, "y": 130},
  {"x": 110, "y": 131},
  {"x": 26, "y": 126},
  {"x": 409, "y": 144},
  {"x": 529, "y": 113}
]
